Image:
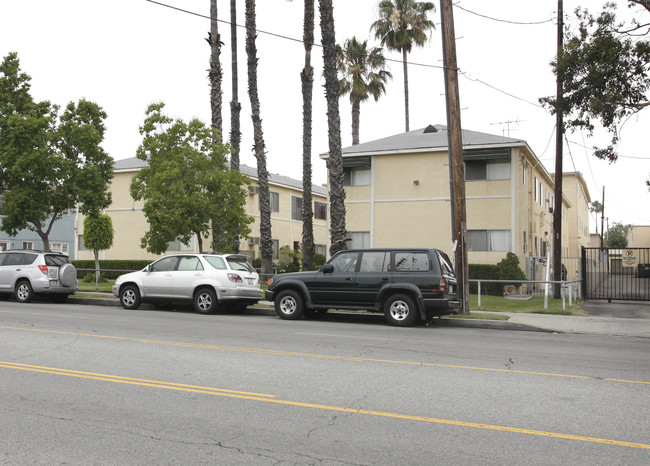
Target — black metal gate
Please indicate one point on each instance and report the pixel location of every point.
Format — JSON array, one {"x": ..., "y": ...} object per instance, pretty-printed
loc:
[{"x": 620, "y": 274}]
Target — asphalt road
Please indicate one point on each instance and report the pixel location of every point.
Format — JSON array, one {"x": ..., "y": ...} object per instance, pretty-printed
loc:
[{"x": 100, "y": 385}]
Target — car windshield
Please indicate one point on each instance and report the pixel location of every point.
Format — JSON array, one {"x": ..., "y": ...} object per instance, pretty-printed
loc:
[{"x": 239, "y": 263}]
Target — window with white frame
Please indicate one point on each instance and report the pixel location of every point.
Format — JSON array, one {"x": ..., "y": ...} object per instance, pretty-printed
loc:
[
  {"x": 358, "y": 239},
  {"x": 356, "y": 176},
  {"x": 28, "y": 245},
  {"x": 489, "y": 240},
  {"x": 320, "y": 249},
  {"x": 4, "y": 245},
  {"x": 320, "y": 210},
  {"x": 62, "y": 248},
  {"x": 296, "y": 208},
  {"x": 275, "y": 201},
  {"x": 487, "y": 170}
]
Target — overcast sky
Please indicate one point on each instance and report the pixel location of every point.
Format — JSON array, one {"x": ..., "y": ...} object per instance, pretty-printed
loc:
[{"x": 126, "y": 54}]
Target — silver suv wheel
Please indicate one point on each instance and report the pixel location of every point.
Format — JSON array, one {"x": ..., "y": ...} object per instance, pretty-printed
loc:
[{"x": 24, "y": 292}]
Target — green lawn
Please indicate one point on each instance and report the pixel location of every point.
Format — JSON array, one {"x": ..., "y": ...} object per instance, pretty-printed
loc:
[
  {"x": 104, "y": 287},
  {"x": 534, "y": 305}
]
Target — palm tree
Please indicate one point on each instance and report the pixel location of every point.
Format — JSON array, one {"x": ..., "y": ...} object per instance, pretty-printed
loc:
[
  {"x": 235, "y": 106},
  {"x": 335, "y": 159},
  {"x": 307, "y": 80},
  {"x": 401, "y": 25},
  {"x": 215, "y": 74},
  {"x": 362, "y": 75},
  {"x": 266, "y": 243}
]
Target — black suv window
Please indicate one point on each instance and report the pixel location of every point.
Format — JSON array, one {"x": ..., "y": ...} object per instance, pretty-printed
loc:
[
  {"x": 412, "y": 262},
  {"x": 345, "y": 261},
  {"x": 375, "y": 261}
]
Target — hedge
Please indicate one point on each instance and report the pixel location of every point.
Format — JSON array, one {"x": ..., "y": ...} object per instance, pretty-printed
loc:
[{"x": 124, "y": 266}]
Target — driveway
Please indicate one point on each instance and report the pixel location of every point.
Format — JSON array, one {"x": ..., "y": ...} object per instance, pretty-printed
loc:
[{"x": 624, "y": 309}]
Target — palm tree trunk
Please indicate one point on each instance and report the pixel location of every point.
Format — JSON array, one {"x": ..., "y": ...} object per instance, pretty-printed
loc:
[
  {"x": 215, "y": 72},
  {"x": 406, "y": 90},
  {"x": 356, "y": 116},
  {"x": 307, "y": 80},
  {"x": 335, "y": 160},
  {"x": 266, "y": 243},
  {"x": 235, "y": 106}
]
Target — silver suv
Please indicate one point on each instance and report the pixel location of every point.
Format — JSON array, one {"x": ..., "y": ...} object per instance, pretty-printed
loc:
[
  {"x": 208, "y": 280},
  {"x": 27, "y": 273}
]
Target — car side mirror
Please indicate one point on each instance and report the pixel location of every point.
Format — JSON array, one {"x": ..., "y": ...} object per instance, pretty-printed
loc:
[{"x": 327, "y": 268}]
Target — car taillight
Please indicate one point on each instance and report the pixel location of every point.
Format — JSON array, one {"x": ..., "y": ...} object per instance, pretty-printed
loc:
[
  {"x": 443, "y": 285},
  {"x": 269, "y": 282},
  {"x": 233, "y": 277},
  {"x": 43, "y": 268}
]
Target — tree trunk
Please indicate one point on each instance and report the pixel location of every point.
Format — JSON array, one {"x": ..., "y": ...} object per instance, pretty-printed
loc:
[
  {"x": 215, "y": 73},
  {"x": 96, "y": 269},
  {"x": 335, "y": 160},
  {"x": 356, "y": 115},
  {"x": 307, "y": 80},
  {"x": 406, "y": 89},
  {"x": 266, "y": 243},
  {"x": 235, "y": 106},
  {"x": 199, "y": 241}
]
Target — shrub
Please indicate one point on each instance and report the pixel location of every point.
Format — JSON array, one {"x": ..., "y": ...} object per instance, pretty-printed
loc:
[
  {"x": 319, "y": 260},
  {"x": 110, "y": 269}
]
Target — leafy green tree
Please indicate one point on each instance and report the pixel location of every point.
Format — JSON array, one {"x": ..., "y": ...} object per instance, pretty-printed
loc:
[
  {"x": 98, "y": 236},
  {"x": 617, "y": 236},
  {"x": 186, "y": 183},
  {"x": 401, "y": 25},
  {"x": 604, "y": 68},
  {"x": 363, "y": 75},
  {"x": 49, "y": 162}
]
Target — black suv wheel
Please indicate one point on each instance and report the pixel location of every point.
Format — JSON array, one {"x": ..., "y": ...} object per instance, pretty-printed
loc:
[
  {"x": 400, "y": 310},
  {"x": 289, "y": 305}
]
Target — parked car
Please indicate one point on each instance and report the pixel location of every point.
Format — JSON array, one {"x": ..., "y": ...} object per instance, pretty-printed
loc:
[
  {"x": 405, "y": 284},
  {"x": 27, "y": 273},
  {"x": 208, "y": 280}
]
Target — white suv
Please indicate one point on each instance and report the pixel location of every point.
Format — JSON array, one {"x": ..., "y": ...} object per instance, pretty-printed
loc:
[
  {"x": 27, "y": 273},
  {"x": 207, "y": 280}
]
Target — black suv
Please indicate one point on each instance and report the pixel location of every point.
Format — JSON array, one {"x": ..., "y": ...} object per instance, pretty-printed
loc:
[{"x": 405, "y": 284}]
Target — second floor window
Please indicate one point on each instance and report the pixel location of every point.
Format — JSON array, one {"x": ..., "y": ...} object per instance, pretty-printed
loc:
[
  {"x": 320, "y": 210},
  {"x": 487, "y": 170},
  {"x": 356, "y": 176},
  {"x": 296, "y": 208}
]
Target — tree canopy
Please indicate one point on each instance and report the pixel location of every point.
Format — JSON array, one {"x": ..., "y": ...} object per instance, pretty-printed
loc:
[
  {"x": 603, "y": 69},
  {"x": 617, "y": 236},
  {"x": 186, "y": 185},
  {"x": 49, "y": 162}
]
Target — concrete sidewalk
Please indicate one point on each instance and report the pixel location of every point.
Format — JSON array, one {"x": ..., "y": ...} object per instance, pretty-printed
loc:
[{"x": 595, "y": 325}]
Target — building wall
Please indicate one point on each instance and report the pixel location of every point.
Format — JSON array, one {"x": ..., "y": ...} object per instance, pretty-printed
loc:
[
  {"x": 638, "y": 236},
  {"x": 130, "y": 224},
  {"x": 61, "y": 237}
]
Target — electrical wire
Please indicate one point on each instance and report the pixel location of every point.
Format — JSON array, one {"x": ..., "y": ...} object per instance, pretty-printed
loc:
[{"x": 504, "y": 20}]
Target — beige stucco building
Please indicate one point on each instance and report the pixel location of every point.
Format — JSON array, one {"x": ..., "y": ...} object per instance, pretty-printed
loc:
[
  {"x": 130, "y": 224},
  {"x": 398, "y": 194},
  {"x": 638, "y": 236}
]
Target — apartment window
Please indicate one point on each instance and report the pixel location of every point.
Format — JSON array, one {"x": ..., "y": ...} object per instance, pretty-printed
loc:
[
  {"x": 297, "y": 246},
  {"x": 320, "y": 249},
  {"x": 296, "y": 208},
  {"x": 489, "y": 240},
  {"x": 4, "y": 245},
  {"x": 80, "y": 243},
  {"x": 356, "y": 176},
  {"x": 28, "y": 245},
  {"x": 320, "y": 210},
  {"x": 525, "y": 243},
  {"x": 536, "y": 188},
  {"x": 275, "y": 201},
  {"x": 59, "y": 247},
  {"x": 276, "y": 248},
  {"x": 487, "y": 170},
  {"x": 525, "y": 167},
  {"x": 358, "y": 239}
]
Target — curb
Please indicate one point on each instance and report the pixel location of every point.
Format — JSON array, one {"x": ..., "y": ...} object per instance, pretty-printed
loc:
[{"x": 441, "y": 322}]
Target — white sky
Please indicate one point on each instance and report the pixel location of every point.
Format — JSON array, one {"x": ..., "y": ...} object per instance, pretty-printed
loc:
[{"x": 126, "y": 54}]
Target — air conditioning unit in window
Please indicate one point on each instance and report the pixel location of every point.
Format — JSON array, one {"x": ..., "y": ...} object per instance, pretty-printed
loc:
[
  {"x": 252, "y": 190},
  {"x": 253, "y": 241}
]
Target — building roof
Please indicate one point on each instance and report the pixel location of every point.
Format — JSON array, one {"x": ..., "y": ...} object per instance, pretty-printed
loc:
[
  {"x": 135, "y": 164},
  {"x": 433, "y": 137}
]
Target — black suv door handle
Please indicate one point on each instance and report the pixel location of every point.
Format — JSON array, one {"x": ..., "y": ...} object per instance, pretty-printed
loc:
[{"x": 348, "y": 278}]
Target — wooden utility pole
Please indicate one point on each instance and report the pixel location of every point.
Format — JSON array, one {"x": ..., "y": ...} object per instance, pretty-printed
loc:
[
  {"x": 456, "y": 150},
  {"x": 602, "y": 220},
  {"x": 559, "y": 134}
]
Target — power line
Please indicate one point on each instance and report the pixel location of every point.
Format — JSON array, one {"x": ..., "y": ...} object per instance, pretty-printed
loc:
[{"x": 504, "y": 20}]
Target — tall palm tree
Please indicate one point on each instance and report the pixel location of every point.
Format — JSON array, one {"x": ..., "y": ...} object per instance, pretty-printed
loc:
[
  {"x": 335, "y": 159},
  {"x": 362, "y": 75},
  {"x": 266, "y": 243},
  {"x": 401, "y": 25},
  {"x": 235, "y": 106},
  {"x": 307, "y": 80}
]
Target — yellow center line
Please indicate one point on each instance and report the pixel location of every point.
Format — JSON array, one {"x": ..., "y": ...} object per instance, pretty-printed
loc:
[
  {"x": 325, "y": 356},
  {"x": 272, "y": 399}
]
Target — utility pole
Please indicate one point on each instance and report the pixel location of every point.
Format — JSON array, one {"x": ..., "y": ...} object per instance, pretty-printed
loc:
[
  {"x": 456, "y": 150},
  {"x": 559, "y": 133},
  {"x": 602, "y": 220}
]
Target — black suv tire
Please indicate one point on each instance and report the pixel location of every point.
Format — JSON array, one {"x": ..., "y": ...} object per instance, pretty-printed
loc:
[
  {"x": 289, "y": 305},
  {"x": 400, "y": 310}
]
